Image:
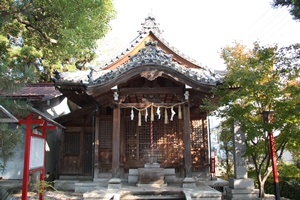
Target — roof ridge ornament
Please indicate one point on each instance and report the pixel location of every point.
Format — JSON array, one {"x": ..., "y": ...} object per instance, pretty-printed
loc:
[
  {"x": 154, "y": 56},
  {"x": 150, "y": 24}
]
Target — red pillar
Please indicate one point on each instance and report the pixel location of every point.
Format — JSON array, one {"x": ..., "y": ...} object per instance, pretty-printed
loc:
[
  {"x": 274, "y": 165},
  {"x": 42, "y": 176},
  {"x": 26, "y": 157}
]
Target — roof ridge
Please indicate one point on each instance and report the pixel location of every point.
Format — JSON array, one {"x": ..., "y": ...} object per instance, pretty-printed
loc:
[{"x": 150, "y": 24}]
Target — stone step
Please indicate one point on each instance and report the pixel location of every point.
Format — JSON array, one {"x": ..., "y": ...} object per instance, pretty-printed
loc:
[
  {"x": 65, "y": 185},
  {"x": 153, "y": 195},
  {"x": 101, "y": 195}
]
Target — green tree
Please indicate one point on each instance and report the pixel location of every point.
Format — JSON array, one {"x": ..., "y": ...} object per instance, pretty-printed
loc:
[
  {"x": 261, "y": 79},
  {"x": 226, "y": 145},
  {"x": 293, "y": 5},
  {"x": 63, "y": 32},
  {"x": 37, "y": 37}
]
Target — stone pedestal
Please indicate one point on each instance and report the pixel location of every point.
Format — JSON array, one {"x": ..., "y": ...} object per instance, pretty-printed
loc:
[
  {"x": 189, "y": 183},
  {"x": 115, "y": 183},
  {"x": 241, "y": 183},
  {"x": 151, "y": 165},
  {"x": 151, "y": 175},
  {"x": 240, "y": 187},
  {"x": 241, "y": 193}
]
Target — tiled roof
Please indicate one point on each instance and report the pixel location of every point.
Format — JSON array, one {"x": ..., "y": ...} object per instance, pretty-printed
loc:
[
  {"x": 150, "y": 25},
  {"x": 38, "y": 91},
  {"x": 105, "y": 74}
]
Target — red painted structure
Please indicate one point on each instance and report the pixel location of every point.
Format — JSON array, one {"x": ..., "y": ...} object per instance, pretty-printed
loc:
[{"x": 39, "y": 123}]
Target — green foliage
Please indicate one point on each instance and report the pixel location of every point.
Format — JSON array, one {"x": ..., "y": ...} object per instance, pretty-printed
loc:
[
  {"x": 55, "y": 30},
  {"x": 293, "y": 5},
  {"x": 18, "y": 108},
  {"x": 43, "y": 186},
  {"x": 39, "y": 36},
  {"x": 226, "y": 145},
  {"x": 289, "y": 181},
  {"x": 16, "y": 65},
  {"x": 264, "y": 78},
  {"x": 8, "y": 139}
]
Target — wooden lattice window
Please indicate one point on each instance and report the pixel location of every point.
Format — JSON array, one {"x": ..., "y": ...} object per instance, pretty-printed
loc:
[
  {"x": 199, "y": 141},
  {"x": 144, "y": 141},
  {"x": 72, "y": 143},
  {"x": 105, "y": 134},
  {"x": 131, "y": 140},
  {"x": 197, "y": 134},
  {"x": 105, "y": 144},
  {"x": 167, "y": 144}
]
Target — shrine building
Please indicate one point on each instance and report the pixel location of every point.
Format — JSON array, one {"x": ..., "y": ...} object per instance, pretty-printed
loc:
[{"x": 141, "y": 108}]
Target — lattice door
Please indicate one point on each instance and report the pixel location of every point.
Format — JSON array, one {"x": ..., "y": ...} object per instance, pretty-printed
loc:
[
  {"x": 105, "y": 146},
  {"x": 87, "y": 153},
  {"x": 166, "y": 137},
  {"x": 199, "y": 142}
]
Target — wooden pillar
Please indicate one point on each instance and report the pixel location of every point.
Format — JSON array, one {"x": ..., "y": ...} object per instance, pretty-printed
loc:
[
  {"x": 187, "y": 141},
  {"x": 96, "y": 147},
  {"x": 116, "y": 143}
]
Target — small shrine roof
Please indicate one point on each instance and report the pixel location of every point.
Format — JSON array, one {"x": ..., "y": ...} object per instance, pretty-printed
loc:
[
  {"x": 37, "y": 91},
  {"x": 148, "y": 56},
  {"x": 127, "y": 59}
]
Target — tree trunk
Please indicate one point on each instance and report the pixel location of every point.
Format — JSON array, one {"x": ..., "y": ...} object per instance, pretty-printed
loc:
[
  {"x": 261, "y": 184},
  {"x": 261, "y": 187}
]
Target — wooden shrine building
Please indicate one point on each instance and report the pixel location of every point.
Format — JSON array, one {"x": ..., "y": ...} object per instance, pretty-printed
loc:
[{"x": 142, "y": 107}]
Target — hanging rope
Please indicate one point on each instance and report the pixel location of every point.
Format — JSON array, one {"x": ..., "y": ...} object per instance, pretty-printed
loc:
[
  {"x": 152, "y": 114},
  {"x": 158, "y": 112}
]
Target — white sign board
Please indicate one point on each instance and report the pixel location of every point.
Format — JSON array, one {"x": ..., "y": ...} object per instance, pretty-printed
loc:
[{"x": 37, "y": 152}]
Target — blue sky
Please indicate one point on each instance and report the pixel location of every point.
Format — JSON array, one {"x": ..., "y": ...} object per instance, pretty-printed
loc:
[{"x": 201, "y": 28}]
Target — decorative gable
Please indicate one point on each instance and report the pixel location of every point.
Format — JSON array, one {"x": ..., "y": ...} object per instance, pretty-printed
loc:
[{"x": 152, "y": 55}]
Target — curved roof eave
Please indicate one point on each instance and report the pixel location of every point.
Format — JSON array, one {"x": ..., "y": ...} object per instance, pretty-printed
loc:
[
  {"x": 178, "y": 73},
  {"x": 132, "y": 48}
]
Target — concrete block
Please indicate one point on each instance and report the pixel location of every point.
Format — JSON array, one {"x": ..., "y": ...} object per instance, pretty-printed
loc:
[
  {"x": 170, "y": 175},
  {"x": 170, "y": 178},
  {"x": 115, "y": 183},
  {"x": 153, "y": 165},
  {"x": 189, "y": 183},
  {"x": 133, "y": 172},
  {"x": 85, "y": 186},
  {"x": 241, "y": 183},
  {"x": 169, "y": 171},
  {"x": 132, "y": 178},
  {"x": 65, "y": 185},
  {"x": 151, "y": 175}
]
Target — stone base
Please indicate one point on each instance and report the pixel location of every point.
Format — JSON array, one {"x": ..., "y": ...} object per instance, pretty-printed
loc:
[
  {"x": 169, "y": 174},
  {"x": 155, "y": 165},
  {"x": 155, "y": 185},
  {"x": 115, "y": 183},
  {"x": 189, "y": 183},
  {"x": 152, "y": 175},
  {"x": 241, "y": 193},
  {"x": 241, "y": 183},
  {"x": 241, "y": 189}
]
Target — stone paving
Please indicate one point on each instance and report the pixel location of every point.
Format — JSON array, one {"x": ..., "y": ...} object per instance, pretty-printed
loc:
[{"x": 174, "y": 191}]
